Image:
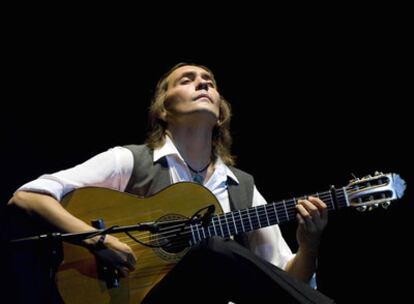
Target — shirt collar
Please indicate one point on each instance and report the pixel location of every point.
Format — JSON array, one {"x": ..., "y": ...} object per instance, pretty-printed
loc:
[
  {"x": 169, "y": 149},
  {"x": 220, "y": 165}
]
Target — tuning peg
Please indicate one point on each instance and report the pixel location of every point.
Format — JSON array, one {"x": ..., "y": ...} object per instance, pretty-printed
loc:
[
  {"x": 386, "y": 205},
  {"x": 361, "y": 208},
  {"x": 372, "y": 207},
  {"x": 377, "y": 173},
  {"x": 367, "y": 176},
  {"x": 355, "y": 178}
]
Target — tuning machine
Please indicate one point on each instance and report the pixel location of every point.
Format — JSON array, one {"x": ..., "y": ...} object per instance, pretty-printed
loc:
[
  {"x": 385, "y": 205},
  {"x": 372, "y": 207},
  {"x": 354, "y": 179},
  {"x": 361, "y": 208}
]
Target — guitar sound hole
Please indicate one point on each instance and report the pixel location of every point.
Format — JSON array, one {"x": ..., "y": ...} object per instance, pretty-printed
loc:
[
  {"x": 173, "y": 239},
  {"x": 175, "y": 246}
]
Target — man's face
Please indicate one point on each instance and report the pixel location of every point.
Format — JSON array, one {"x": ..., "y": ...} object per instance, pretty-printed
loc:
[{"x": 191, "y": 89}]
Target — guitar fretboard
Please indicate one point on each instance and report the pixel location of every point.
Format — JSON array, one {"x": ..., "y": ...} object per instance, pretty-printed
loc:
[{"x": 245, "y": 220}]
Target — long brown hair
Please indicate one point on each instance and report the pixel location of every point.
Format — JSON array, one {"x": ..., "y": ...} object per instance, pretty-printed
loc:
[{"x": 221, "y": 140}]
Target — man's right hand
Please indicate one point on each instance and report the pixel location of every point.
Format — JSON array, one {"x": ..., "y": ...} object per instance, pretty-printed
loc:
[{"x": 116, "y": 253}]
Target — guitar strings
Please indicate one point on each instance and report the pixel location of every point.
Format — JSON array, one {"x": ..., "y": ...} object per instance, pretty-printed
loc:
[
  {"x": 185, "y": 244},
  {"x": 222, "y": 218},
  {"x": 171, "y": 231},
  {"x": 181, "y": 240}
]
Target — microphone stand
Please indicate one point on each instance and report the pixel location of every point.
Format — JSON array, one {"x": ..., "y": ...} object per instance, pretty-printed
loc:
[
  {"x": 52, "y": 242},
  {"x": 152, "y": 227}
]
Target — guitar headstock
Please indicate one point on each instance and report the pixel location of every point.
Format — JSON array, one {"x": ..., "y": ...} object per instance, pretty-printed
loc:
[{"x": 372, "y": 191}]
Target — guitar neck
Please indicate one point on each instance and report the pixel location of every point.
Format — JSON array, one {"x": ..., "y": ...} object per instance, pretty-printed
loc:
[{"x": 245, "y": 220}]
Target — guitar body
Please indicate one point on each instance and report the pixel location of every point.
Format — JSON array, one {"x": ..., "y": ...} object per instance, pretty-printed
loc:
[{"x": 77, "y": 277}]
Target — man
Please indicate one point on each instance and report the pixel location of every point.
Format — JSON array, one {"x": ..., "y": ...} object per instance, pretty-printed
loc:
[{"x": 190, "y": 136}]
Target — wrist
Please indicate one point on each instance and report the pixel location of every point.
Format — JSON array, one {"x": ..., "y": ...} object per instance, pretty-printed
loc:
[
  {"x": 96, "y": 242},
  {"x": 312, "y": 250},
  {"x": 100, "y": 242}
]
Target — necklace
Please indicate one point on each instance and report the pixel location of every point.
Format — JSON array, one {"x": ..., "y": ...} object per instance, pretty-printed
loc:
[{"x": 198, "y": 178}]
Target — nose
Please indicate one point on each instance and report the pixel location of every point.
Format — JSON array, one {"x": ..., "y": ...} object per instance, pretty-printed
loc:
[{"x": 202, "y": 85}]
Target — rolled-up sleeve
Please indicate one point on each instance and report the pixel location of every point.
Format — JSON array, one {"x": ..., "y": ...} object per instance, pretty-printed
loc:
[
  {"x": 109, "y": 169},
  {"x": 269, "y": 244}
]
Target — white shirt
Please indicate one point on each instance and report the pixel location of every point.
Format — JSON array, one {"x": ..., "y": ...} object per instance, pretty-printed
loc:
[{"x": 113, "y": 169}]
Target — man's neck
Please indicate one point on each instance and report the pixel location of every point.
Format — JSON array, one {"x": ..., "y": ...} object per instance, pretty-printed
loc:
[{"x": 193, "y": 143}]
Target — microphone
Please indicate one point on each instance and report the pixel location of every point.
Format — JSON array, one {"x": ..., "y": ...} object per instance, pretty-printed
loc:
[{"x": 206, "y": 218}]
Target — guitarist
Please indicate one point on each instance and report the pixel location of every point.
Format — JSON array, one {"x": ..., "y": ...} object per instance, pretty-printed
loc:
[{"x": 190, "y": 141}]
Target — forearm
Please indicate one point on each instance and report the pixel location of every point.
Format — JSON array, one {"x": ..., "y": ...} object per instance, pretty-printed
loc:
[
  {"x": 51, "y": 211},
  {"x": 303, "y": 265},
  {"x": 120, "y": 254}
]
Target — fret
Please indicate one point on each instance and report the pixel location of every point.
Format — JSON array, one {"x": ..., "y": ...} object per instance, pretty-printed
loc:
[
  {"x": 227, "y": 224},
  {"x": 284, "y": 205},
  {"x": 234, "y": 221},
  {"x": 193, "y": 234},
  {"x": 272, "y": 219},
  {"x": 221, "y": 228},
  {"x": 202, "y": 230},
  {"x": 250, "y": 220},
  {"x": 198, "y": 232},
  {"x": 345, "y": 197},
  {"x": 214, "y": 226},
  {"x": 267, "y": 216},
  {"x": 241, "y": 220},
  {"x": 255, "y": 218},
  {"x": 258, "y": 217},
  {"x": 332, "y": 200},
  {"x": 232, "y": 224},
  {"x": 276, "y": 212}
]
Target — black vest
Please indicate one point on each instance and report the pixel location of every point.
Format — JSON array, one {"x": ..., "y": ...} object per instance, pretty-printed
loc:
[{"x": 148, "y": 178}]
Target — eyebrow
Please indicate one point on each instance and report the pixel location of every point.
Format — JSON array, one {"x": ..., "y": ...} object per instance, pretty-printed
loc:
[{"x": 204, "y": 75}]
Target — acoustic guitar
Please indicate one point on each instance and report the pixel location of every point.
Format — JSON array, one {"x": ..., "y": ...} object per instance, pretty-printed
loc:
[{"x": 184, "y": 214}]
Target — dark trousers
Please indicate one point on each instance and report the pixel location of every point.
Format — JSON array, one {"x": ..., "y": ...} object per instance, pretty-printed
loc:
[{"x": 219, "y": 271}]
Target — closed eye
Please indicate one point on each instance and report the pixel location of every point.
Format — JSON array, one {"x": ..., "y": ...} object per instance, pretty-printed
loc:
[{"x": 185, "y": 80}]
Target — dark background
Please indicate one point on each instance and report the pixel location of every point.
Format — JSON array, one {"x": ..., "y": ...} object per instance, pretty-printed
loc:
[{"x": 310, "y": 107}]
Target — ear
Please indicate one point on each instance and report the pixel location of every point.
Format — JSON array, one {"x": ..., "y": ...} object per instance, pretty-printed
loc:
[{"x": 163, "y": 115}]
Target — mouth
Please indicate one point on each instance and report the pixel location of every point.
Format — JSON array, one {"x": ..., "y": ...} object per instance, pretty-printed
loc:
[{"x": 205, "y": 96}]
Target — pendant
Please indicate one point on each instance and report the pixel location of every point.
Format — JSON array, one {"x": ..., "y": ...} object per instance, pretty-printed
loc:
[{"x": 198, "y": 179}]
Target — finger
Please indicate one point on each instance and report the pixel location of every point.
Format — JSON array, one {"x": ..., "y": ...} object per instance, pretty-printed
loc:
[
  {"x": 310, "y": 208},
  {"x": 132, "y": 255},
  {"x": 125, "y": 259},
  {"x": 314, "y": 212},
  {"x": 132, "y": 259},
  {"x": 129, "y": 263},
  {"x": 123, "y": 271},
  {"x": 323, "y": 208},
  {"x": 306, "y": 216},
  {"x": 125, "y": 250}
]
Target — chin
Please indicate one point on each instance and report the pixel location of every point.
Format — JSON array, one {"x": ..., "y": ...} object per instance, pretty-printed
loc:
[{"x": 204, "y": 114}]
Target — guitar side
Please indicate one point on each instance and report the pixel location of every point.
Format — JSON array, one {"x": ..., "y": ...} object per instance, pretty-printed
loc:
[{"x": 77, "y": 277}]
